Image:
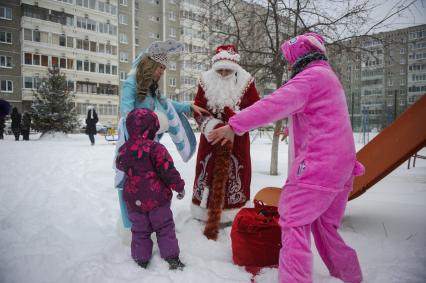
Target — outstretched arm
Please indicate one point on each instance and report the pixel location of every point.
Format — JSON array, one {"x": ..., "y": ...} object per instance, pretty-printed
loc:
[{"x": 289, "y": 99}]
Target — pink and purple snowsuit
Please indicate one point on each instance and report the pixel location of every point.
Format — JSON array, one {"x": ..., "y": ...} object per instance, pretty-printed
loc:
[
  {"x": 323, "y": 164},
  {"x": 150, "y": 177}
]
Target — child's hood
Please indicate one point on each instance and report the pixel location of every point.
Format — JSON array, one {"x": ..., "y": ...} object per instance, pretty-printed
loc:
[{"x": 142, "y": 123}]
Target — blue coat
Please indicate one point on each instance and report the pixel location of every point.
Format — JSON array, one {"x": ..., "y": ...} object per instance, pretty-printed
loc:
[{"x": 129, "y": 101}]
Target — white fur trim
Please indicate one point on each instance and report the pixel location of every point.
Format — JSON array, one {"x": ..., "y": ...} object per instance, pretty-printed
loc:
[
  {"x": 164, "y": 122},
  {"x": 227, "y": 215},
  {"x": 208, "y": 126},
  {"x": 204, "y": 198},
  {"x": 225, "y": 55},
  {"x": 225, "y": 64}
]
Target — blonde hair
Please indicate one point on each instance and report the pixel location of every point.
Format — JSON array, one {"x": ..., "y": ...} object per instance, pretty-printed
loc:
[{"x": 144, "y": 72}]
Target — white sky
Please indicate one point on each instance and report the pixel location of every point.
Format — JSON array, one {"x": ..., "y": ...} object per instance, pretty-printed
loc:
[{"x": 415, "y": 15}]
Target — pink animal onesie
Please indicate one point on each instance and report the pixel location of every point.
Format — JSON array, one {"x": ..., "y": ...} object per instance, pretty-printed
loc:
[{"x": 323, "y": 162}]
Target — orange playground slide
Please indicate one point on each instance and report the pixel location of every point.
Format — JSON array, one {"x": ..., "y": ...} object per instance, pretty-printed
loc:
[{"x": 388, "y": 150}]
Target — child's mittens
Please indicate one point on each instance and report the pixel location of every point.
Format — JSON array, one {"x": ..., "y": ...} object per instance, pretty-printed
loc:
[{"x": 181, "y": 195}]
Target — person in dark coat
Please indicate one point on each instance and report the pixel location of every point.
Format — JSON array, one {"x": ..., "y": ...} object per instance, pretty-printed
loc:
[
  {"x": 26, "y": 125},
  {"x": 16, "y": 123},
  {"x": 91, "y": 120}
]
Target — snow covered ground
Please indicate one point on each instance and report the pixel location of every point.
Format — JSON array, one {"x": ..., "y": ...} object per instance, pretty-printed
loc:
[{"x": 59, "y": 220}]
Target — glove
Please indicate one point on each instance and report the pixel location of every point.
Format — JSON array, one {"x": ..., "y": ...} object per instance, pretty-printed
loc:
[{"x": 180, "y": 195}]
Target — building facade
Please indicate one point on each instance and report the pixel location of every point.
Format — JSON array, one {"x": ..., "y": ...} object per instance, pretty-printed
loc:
[
  {"x": 78, "y": 36},
  {"x": 384, "y": 76},
  {"x": 10, "y": 53}
]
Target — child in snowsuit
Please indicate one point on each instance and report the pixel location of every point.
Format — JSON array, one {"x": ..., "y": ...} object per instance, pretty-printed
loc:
[
  {"x": 323, "y": 161},
  {"x": 150, "y": 179}
]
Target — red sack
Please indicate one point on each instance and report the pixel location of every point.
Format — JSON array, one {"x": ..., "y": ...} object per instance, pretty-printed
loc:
[{"x": 256, "y": 237}]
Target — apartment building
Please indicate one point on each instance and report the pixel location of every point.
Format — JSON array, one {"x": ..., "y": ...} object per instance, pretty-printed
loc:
[
  {"x": 384, "y": 76},
  {"x": 126, "y": 36},
  {"x": 158, "y": 20},
  {"x": 10, "y": 53},
  {"x": 78, "y": 36}
]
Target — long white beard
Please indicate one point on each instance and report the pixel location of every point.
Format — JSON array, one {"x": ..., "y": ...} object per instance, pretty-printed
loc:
[{"x": 224, "y": 91}]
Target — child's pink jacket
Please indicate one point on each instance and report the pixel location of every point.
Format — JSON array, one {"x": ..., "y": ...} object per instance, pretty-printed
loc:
[{"x": 324, "y": 149}]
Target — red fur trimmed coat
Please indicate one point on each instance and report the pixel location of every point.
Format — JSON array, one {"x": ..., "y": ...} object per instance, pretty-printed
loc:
[{"x": 237, "y": 191}]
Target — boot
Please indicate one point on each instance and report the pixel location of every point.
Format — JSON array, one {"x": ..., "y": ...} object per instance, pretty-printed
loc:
[
  {"x": 143, "y": 264},
  {"x": 175, "y": 263}
]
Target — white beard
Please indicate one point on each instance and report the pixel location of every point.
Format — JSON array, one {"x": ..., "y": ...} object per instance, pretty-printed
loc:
[{"x": 224, "y": 91}]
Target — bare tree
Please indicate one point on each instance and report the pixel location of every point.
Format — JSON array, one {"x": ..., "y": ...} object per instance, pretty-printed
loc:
[{"x": 259, "y": 27}]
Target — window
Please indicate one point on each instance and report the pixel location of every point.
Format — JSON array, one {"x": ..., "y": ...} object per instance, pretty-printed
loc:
[
  {"x": 62, "y": 40},
  {"x": 63, "y": 63},
  {"x": 172, "y": 66},
  {"x": 154, "y": 19},
  {"x": 28, "y": 82},
  {"x": 28, "y": 59},
  {"x": 154, "y": 35},
  {"x": 5, "y": 13},
  {"x": 123, "y": 76},
  {"x": 101, "y": 68},
  {"x": 70, "y": 64},
  {"x": 136, "y": 41},
  {"x": 70, "y": 42},
  {"x": 79, "y": 65},
  {"x": 6, "y": 86},
  {"x": 402, "y": 82},
  {"x": 123, "y": 38},
  {"x": 124, "y": 20},
  {"x": 124, "y": 2},
  {"x": 101, "y": 47},
  {"x": 172, "y": 82},
  {"x": 5, "y": 62},
  {"x": 92, "y": 67},
  {"x": 28, "y": 34},
  {"x": 86, "y": 66},
  {"x": 402, "y": 61},
  {"x": 55, "y": 39},
  {"x": 44, "y": 60},
  {"x": 36, "y": 59},
  {"x": 390, "y": 83},
  {"x": 172, "y": 16},
  {"x": 5, "y": 37},
  {"x": 172, "y": 32},
  {"x": 55, "y": 61},
  {"x": 124, "y": 57},
  {"x": 402, "y": 51},
  {"x": 44, "y": 37},
  {"x": 92, "y": 46}
]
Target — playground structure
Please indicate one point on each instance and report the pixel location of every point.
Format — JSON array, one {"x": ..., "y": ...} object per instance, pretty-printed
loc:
[
  {"x": 110, "y": 134},
  {"x": 385, "y": 152}
]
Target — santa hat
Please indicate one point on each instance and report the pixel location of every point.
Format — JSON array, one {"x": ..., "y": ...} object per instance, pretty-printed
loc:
[
  {"x": 226, "y": 57},
  {"x": 300, "y": 45}
]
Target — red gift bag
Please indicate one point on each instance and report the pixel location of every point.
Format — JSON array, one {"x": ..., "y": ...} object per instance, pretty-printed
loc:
[{"x": 256, "y": 237}]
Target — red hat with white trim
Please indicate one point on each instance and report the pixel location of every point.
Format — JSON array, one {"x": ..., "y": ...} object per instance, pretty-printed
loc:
[{"x": 226, "y": 57}]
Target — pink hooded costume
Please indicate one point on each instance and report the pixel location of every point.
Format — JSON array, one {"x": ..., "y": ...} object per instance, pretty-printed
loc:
[{"x": 322, "y": 162}]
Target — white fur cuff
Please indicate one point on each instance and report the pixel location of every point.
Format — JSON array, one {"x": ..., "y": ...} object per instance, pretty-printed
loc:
[{"x": 208, "y": 125}]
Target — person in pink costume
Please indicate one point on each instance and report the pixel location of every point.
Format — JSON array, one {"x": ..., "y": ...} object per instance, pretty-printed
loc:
[{"x": 322, "y": 161}]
